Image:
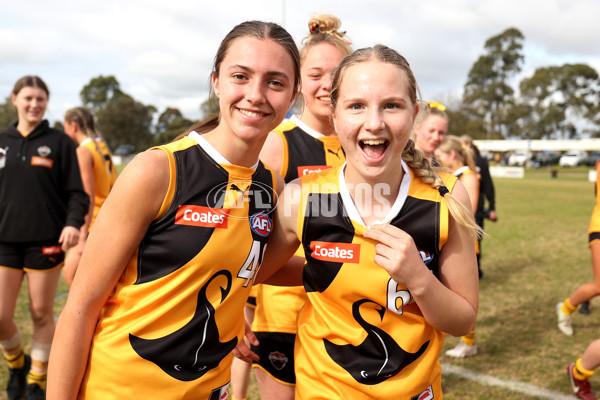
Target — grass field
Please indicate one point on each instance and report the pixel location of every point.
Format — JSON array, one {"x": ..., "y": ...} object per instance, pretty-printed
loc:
[{"x": 534, "y": 256}]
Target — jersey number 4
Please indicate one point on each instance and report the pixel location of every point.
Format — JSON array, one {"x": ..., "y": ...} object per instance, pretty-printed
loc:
[{"x": 252, "y": 263}]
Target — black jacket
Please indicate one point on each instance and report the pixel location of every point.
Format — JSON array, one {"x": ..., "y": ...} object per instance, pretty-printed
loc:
[
  {"x": 40, "y": 185},
  {"x": 486, "y": 186}
]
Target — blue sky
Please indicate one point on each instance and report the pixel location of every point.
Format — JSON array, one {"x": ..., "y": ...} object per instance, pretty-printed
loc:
[{"x": 161, "y": 51}]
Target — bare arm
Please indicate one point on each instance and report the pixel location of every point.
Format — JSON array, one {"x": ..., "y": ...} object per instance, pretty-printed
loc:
[
  {"x": 449, "y": 303},
  {"x": 86, "y": 167},
  {"x": 283, "y": 242},
  {"x": 471, "y": 184},
  {"x": 135, "y": 198}
]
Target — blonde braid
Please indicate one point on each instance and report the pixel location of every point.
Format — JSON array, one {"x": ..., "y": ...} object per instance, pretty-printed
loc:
[{"x": 422, "y": 168}]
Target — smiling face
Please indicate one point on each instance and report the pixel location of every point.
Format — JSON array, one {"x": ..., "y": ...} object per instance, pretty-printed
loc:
[
  {"x": 430, "y": 133},
  {"x": 255, "y": 87},
  {"x": 31, "y": 103},
  {"x": 373, "y": 117},
  {"x": 317, "y": 66}
]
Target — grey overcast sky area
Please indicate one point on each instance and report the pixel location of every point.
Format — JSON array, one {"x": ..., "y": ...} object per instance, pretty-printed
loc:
[{"x": 161, "y": 52}]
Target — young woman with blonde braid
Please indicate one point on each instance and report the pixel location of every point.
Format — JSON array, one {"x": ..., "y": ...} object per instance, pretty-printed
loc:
[
  {"x": 459, "y": 158},
  {"x": 304, "y": 144},
  {"x": 97, "y": 173},
  {"x": 389, "y": 245}
]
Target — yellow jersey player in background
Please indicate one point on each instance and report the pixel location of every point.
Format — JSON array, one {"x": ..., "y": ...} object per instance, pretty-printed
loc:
[
  {"x": 97, "y": 174},
  {"x": 459, "y": 158}
]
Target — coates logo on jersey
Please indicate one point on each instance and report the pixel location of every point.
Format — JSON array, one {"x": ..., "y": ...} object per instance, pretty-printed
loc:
[
  {"x": 336, "y": 252},
  {"x": 261, "y": 224},
  {"x": 309, "y": 169},
  {"x": 426, "y": 256},
  {"x": 205, "y": 217}
]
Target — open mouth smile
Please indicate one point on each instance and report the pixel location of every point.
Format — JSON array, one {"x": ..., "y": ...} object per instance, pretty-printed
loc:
[{"x": 374, "y": 149}]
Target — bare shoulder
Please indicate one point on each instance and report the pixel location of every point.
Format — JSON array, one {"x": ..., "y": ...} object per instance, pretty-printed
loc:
[
  {"x": 272, "y": 151},
  {"x": 460, "y": 193},
  {"x": 145, "y": 179}
]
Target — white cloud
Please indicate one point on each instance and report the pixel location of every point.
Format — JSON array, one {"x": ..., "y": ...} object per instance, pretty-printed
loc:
[{"x": 161, "y": 51}]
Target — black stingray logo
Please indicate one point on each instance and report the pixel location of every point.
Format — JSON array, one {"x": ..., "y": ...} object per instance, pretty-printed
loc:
[
  {"x": 193, "y": 350},
  {"x": 377, "y": 358},
  {"x": 236, "y": 194}
]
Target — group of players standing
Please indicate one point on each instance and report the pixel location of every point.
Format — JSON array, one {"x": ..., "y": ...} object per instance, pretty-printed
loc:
[{"x": 371, "y": 254}]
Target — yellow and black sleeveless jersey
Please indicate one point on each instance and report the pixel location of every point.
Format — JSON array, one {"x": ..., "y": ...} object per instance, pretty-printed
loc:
[
  {"x": 304, "y": 151},
  {"x": 103, "y": 147},
  {"x": 360, "y": 335},
  {"x": 594, "y": 229},
  {"x": 168, "y": 329},
  {"x": 459, "y": 173},
  {"x": 104, "y": 172}
]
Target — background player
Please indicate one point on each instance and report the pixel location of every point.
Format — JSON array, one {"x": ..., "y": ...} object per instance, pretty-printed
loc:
[
  {"x": 430, "y": 129},
  {"x": 588, "y": 290},
  {"x": 97, "y": 173},
  {"x": 454, "y": 154},
  {"x": 43, "y": 207}
]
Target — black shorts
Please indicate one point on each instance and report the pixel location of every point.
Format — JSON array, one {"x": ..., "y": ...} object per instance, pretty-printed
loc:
[
  {"x": 39, "y": 256},
  {"x": 251, "y": 302},
  {"x": 276, "y": 352},
  {"x": 594, "y": 236}
]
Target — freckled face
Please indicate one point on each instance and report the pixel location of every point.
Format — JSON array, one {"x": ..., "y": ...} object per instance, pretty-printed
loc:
[
  {"x": 255, "y": 87},
  {"x": 373, "y": 117}
]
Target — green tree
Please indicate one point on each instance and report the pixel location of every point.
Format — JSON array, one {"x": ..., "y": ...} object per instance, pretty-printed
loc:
[
  {"x": 463, "y": 120},
  {"x": 8, "y": 113},
  {"x": 487, "y": 90},
  {"x": 99, "y": 91},
  {"x": 123, "y": 120},
  {"x": 209, "y": 106},
  {"x": 58, "y": 125},
  {"x": 171, "y": 123},
  {"x": 558, "y": 97}
]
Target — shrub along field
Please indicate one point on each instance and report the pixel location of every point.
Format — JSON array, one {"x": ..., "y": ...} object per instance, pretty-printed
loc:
[{"x": 533, "y": 257}]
